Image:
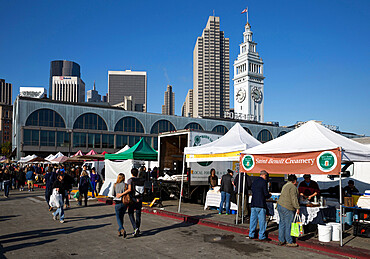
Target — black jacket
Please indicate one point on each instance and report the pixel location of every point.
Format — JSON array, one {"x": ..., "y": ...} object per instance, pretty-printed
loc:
[
  {"x": 247, "y": 180},
  {"x": 60, "y": 185},
  {"x": 259, "y": 193},
  {"x": 226, "y": 184}
]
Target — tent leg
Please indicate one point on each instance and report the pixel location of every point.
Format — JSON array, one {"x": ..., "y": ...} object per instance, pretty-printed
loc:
[
  {"x": 182, "y": 184},
  {"x": 243, "y": 200},
  {"x": 340, "y": 209},
  {"x": 238, "y": 200}
]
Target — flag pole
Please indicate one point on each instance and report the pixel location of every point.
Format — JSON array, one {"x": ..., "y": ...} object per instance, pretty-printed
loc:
[{"x": 247, "y": 14}]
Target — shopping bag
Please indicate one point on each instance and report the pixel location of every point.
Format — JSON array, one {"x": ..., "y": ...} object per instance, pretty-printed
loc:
[
  {"x": 56, "y": 199},
  {"x": 297, "y": 226}
]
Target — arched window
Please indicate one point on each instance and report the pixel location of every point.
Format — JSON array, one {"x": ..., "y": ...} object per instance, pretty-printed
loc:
[
  {"x": 129, "y": 124},
  {"x": 162, "y": 126},
  {"x": 45, "y": 118},
  {"x": 220, "y": 129},
  {"x": 194, "y": 125},
  {"x": 264, "y": 136},
  {"x": 248, "y": 130},
  {"x": 90, "y": 121},
  {"x": 282, "y": 133}
]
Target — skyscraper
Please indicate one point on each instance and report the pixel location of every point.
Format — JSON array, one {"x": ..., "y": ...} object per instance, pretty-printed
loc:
[
  {"x": 128, "y": 83},
  {"x": 93, "y": 96},
  {"x": 187, "y": 107},
  {"x": 65, "y": 82},
  {"x": 248, "y": 80},
  {"x": 5, "y": 92},
  {"x": 211, "y": 90},
  {"x": 169, "y": 102}
]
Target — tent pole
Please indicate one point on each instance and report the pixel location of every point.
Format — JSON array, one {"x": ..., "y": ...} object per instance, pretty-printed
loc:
[
  {"x": 340, "y": 208},
  {"x": 182, "y": 183},
  {"x": 243, "y": 199},
  {"x": 237, "y": 211}
]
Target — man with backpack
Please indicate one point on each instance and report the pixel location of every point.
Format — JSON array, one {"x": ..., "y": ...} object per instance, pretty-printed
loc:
[{"x": 136, "y": 190}]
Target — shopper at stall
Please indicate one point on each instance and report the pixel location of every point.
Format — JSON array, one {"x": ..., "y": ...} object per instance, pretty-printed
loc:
[
  {"x": 94, "y": 177},
  {"x": 212, "y": 179},
  {"x": 120, "y": 208},
  {"x": 350, "y": 188},
  {"x": 242, "y": 191},
  {"x": 226, "y": 190},
  {"x": 136, "y": 190},
  {"x": 30, "y": 177},
  {"x": 83, "y": 187},
  {"x": 259, "y": 207},
  {"x": 21, "y": 178},
  {"x": 308, "y": 188},
  {"x": 287, "y": 207}
]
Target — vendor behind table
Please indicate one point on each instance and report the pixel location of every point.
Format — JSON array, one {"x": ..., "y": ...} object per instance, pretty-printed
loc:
[{"x": 308, "y": 189}]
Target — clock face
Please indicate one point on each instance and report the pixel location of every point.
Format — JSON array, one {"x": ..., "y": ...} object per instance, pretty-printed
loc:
[
  {"x": 256, "y": 94},
  {"x": 240, "y": 95}
]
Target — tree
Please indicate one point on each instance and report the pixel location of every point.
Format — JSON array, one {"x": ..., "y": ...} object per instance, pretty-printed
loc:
[{"x": 6, "y": 149}]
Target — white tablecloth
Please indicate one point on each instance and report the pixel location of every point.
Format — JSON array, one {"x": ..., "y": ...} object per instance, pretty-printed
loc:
[
  {"x": 312, "y": 213},
  {"x": 213, "y": 199}
]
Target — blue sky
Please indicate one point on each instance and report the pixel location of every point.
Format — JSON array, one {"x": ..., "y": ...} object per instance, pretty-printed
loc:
[{"x": 316, "y": 52}]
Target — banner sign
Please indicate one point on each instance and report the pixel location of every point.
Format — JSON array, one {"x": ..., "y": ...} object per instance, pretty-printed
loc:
[{"x": 318, "y": 162}]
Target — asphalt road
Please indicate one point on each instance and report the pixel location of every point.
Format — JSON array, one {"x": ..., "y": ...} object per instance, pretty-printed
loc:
[{"x": 27, "y": 229}]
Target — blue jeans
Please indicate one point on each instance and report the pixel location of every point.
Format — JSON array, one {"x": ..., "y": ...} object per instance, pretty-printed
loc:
[
  {"x": 135, "y": 207},
  {"x": 260, "y": 214},
  {"x": 1, "y": 186},
  {"x": 286, "y": 218},
  {"x": 6, "y": 187},
  {"x": 225, "y": 197},
  {"x": 120, "y": 213},
  {"x": 47, "y": 195},
  {"x": 60, "y": 212}
]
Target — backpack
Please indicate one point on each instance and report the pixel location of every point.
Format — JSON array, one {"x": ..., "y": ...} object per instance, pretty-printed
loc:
[{"x": 137, "y": 188}]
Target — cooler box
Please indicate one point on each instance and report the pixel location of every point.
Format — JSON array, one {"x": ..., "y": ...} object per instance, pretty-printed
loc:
[{"x": 361, "y": 229}]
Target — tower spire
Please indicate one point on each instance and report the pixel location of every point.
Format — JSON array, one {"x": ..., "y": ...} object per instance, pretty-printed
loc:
[{"x": 94, "y": 86}]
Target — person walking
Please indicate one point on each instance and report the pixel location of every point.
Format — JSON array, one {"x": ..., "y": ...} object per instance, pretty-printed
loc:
[
  {"x": 49, "y": 179},
  {"x": 287, "y": 207},
  {"x": 30, "y": 177},
  {"x": 83, "y": 187},
  {"x": 68, "y": 182},
  {"x": 7, "y": 182},
  {"x": 59, "y": 186},
  {"x": 136, "y": 190},
  {"x": 1, "y": 178},
  {"x": 119, "y": 190},
  {"x": 94, "y": 181},
  {"x": 242, "y": 192},
  {"x": 259, "y": 207},
  {"x": 226, "y": 190}
]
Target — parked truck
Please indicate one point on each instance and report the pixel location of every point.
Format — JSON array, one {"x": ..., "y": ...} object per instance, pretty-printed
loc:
[{"x": 171, "y": 154}]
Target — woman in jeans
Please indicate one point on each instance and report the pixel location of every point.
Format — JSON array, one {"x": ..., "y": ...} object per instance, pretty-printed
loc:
[
  {"x": 6, "y": 178},
  {"x": 83, "y": 187},
  {"x": 118, "y": 192}
]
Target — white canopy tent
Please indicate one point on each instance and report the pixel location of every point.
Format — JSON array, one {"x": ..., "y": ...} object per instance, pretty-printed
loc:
[
  {"x": 27, "y": 158},
  {"x": 301, "y": 151},
  {"x": 226, "y": 148}
]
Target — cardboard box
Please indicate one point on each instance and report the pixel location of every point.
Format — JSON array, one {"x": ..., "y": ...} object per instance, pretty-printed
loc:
[{"x": 348, "y": 201}]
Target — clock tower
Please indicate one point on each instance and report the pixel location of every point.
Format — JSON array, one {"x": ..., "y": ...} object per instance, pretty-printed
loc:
[{"x": 248, "y": 80}]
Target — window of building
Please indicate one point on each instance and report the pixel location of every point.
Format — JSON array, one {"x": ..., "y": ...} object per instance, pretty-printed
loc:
[
  {"x": 248, "y": 130},
  {"x": 129, "y": 124},
  {"x": 79, "y": 139},
  {"x": 90, "y": 121},
  {"x": 220, "y": 129},
  {"x": 264, "y": 136},
  {"x": 62, "y": 139},
  {"x": 282, "y": 133},
  {"x": 107, "y": 141},
  {"x": 31, "y": 137},
  {"x": 93, "y": 141},
  {"x": 162, "y": 126},
  {"x": 45, "y": 118},
  {"x": 121, "y": 141},
  {"x": 194, "y": 125},
  {"x": 47, "y": 138}
]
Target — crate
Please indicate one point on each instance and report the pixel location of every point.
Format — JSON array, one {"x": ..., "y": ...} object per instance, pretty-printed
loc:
[
  {"x": 348, "y": 201},
  {"x": 361, "y": 229}
]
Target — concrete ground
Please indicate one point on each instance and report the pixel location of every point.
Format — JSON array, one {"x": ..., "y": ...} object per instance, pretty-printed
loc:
[{"x": 27, "y": 229}]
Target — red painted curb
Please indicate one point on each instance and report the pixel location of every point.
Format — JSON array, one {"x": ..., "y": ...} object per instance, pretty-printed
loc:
[{"x": 343, "y": 251}]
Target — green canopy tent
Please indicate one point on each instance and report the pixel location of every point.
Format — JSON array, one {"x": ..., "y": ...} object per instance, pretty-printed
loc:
[{"x": 141, "y": 151}]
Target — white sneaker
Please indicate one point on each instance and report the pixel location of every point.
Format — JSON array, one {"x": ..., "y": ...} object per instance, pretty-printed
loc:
[
  {"x": 54, "y": 217},
  {"x": 62, "y": 221}
]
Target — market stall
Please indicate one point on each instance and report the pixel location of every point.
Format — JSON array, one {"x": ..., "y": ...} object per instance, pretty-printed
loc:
[
  {"x": 226, "y": 148},
  {"x": 310, "y": 149},
  {"x": 123, "y": 161}
]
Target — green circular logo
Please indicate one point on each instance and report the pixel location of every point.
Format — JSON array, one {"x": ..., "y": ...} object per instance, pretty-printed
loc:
[
  {"x": 205, "y": 163},
  {"x": 326, "y": 161},
  {"x": 248, "y": 162}
]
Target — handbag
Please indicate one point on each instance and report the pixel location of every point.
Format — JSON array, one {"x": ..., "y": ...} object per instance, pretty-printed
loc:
[
  {"x": 56, "y": 199},
  {"x": 126, "y": 199},
  {"x": 297, "y": 226}
]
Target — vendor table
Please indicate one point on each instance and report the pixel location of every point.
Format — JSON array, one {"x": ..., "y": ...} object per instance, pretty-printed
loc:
[
  {"x": 309, "y": 215},
  {"x": 213, "y": 199}
]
